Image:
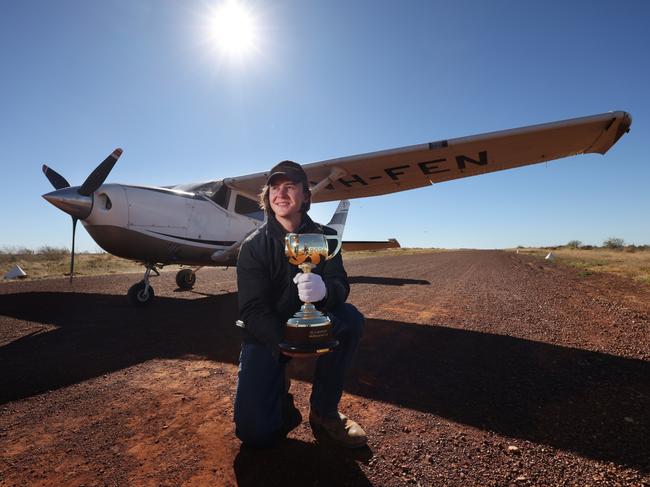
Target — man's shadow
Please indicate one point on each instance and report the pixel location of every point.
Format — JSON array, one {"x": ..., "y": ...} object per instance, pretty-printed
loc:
[{"x": 294, "y": 462}]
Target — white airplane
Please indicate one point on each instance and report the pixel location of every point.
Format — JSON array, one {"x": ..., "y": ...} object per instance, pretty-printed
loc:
[{"x": 204, "y": 224}]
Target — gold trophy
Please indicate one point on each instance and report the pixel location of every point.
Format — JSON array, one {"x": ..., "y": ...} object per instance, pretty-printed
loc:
[{"x": 309, "y": 332}]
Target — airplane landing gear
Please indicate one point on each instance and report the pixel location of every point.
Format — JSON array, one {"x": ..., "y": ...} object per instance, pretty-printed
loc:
[
  {"x": 141, "y": 293},
  {"x": 185, "y": 279}
]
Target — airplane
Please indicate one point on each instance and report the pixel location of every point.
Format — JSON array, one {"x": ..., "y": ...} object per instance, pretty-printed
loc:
[{"x": 204, "y": 224}]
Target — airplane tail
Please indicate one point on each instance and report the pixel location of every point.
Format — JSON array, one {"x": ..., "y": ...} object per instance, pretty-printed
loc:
[
  {"x": 339, "y": 217},
  {"x": 337, "y": 222}
]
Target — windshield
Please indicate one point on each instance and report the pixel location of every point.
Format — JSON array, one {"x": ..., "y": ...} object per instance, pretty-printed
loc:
[
  {"x": 207, "y": 188},
  {"x": 215, "y": 190}
]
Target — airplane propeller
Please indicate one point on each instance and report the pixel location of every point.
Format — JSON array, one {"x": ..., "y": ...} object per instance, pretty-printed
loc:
[
  {"x": 58, "y": 181},
  {"x": 77, "y": 201},
  {"x": 99, "y": 175}
]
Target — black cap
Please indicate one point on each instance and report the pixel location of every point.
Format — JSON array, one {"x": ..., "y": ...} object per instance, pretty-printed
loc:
[{"x": 290, "y": 170}]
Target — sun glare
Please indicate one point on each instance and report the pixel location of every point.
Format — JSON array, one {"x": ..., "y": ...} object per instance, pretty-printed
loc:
[{"x": 233, "y": 29}]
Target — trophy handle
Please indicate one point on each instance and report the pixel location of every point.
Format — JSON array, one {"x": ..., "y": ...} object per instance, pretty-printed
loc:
[{"x": 338, "y": 245}]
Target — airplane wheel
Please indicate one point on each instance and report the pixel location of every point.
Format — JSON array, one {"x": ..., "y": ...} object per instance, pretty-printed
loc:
[
  {"x": 137, "y": 295},
  {"x": 185, "y": 279}
]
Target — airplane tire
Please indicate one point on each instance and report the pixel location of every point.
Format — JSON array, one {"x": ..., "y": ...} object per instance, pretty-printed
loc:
[
  {"x": 185, "y": 279},
  {"x": 137, "y": 295}
]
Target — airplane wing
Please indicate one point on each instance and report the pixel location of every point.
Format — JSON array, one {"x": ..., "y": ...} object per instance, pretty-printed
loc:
[{"x": 416, "y": 166}]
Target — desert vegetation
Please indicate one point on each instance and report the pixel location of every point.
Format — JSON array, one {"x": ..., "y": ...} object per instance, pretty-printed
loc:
[
  {"x": 46, "y": 262},
  {"x": 614, "y": 256}
]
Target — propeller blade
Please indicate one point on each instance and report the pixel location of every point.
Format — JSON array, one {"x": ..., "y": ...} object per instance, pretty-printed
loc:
[
  {"x": 74, "y": 228},
  {"x": 99, "y": 175},
  {"x": 58, "y": 181}
]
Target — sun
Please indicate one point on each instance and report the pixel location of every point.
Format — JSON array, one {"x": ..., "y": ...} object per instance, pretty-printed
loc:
[{"x": 233, "y": 29}]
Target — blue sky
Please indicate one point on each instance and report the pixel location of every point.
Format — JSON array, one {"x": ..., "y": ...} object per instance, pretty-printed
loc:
[{"x": 329, "y": 79}]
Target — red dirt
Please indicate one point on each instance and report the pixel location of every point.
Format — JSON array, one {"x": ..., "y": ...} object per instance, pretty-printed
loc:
[{"x": 476, "y": 368}]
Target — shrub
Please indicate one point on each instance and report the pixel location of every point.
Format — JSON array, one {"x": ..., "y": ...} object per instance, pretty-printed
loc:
[
  {"x": 16, "y": 251},
  {"x": 614, "y": 243},
  {"x": 53, "y": 251},
  {"x": 574, "y": 244}
]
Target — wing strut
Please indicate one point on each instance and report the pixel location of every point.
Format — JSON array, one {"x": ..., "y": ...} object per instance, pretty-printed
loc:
[
  {"x": 334, "y": 174},
  {"x": 248, "y": 194}
]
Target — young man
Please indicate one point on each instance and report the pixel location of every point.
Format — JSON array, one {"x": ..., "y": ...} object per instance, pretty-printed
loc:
[{"x": 271, "y": 290}]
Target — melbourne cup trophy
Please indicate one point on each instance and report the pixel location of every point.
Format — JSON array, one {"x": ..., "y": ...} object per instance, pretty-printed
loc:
[{"x": 309, "y": 332}]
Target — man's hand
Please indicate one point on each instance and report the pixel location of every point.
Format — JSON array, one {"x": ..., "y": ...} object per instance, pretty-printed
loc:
[{"x": 311, "y": 287}]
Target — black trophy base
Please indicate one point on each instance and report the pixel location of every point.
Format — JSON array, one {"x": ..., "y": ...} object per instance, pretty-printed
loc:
[
  {"x": 309, "y": 332},
  {"x": 309, "y": 348}
]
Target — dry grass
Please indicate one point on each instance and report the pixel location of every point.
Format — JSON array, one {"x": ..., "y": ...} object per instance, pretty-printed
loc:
[
  {"x": 633, "y": 264},
  {"x": 57, "y": 264}
]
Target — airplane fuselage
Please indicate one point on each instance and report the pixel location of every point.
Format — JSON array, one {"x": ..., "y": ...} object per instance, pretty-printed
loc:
[{"x": 168, "y": 226}]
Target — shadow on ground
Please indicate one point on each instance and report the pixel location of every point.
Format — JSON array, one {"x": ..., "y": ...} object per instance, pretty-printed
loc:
[
  {"x": 591, "y": 403},
  {"x": 311, "y": 464}
]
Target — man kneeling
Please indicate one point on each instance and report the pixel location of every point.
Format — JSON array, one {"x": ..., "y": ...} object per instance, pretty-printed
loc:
[{"x": 270, "y": 291}]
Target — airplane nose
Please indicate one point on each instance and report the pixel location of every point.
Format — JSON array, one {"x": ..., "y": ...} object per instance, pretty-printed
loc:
[{"x": 70, "y": 201}]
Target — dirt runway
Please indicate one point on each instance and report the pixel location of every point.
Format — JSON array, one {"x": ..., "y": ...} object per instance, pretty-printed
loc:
[{"x": 476, "y": 368}]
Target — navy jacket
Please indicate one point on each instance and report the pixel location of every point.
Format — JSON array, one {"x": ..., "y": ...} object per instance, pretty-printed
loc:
[{"x": 268, "y": 296}]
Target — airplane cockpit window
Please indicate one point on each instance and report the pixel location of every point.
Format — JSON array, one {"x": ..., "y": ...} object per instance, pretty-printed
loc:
[
  {"x": 215, "y": 190},
  {"x": 248, "y": 207},
  {"x": 221, "y": 196},
  {"x": 207, "y": 189}
]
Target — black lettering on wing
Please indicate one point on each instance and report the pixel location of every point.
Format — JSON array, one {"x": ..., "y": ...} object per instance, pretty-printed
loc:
[
  {"x": 431, "y": 167},
  {"x": 394, "y": 172},
  {"x": 482, "y": 160},
  {"x": 355, "y": 179}
]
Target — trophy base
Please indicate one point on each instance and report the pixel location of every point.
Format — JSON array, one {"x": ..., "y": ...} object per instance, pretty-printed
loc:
[
  {"x": 309, "y": 348},
  {"x": 309, "y": 332}
]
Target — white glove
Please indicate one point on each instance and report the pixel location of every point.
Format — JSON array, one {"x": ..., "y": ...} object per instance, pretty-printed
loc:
[{"x": 311, "y": 287}]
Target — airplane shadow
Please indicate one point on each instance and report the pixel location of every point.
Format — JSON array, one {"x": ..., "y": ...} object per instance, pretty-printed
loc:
[
  {"x": 311, "y": 464},
  {"x": 99, "y": 333},
  {"x": 591, "y": 403},
  {"x": 387, "y": 281}
]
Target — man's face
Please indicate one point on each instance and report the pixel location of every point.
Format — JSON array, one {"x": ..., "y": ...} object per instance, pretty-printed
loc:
[{"x": 286, "y": 197}]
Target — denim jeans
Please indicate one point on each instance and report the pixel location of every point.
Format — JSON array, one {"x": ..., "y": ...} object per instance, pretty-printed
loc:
[{"x": 260, "y": 396}]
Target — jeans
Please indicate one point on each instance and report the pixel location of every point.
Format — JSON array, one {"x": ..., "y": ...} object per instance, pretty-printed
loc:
[{"x": 259, "y": 403}]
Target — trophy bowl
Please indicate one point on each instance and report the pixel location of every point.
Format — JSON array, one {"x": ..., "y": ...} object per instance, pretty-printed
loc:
[{"x": 308, "y": 332}]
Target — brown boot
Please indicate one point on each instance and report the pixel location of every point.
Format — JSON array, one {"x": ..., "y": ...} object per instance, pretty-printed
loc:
[{"x": 341, "y": 430}]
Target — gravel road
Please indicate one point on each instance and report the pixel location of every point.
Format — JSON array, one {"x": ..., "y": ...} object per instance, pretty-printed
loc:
[{"x": 476, "y": 368}]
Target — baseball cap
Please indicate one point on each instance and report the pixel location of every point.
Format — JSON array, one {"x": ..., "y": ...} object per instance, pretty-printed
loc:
[{"x": 290, "y": 170}]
